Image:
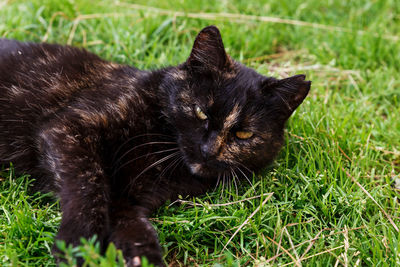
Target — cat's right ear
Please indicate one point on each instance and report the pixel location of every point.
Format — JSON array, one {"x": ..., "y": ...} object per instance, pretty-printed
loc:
[
  {"x": 208, "y": 52},
  {"x": 289, "y": 91}
]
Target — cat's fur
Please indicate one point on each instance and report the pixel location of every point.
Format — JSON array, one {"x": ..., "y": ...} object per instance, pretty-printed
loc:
[{"x": 115, "y": 142}]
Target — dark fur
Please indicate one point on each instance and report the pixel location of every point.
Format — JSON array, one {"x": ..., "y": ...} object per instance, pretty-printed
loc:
[{"x": 96, "y": 133}]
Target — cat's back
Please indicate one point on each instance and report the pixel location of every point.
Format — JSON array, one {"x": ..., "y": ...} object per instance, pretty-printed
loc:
[
  {"x": 44, "y": 70},
  {"x": 8, "y": 46},
  {"x": 38, "y": 79},
  {"x": 37, "y": 82},
  {"x": 41, "y": 78}
]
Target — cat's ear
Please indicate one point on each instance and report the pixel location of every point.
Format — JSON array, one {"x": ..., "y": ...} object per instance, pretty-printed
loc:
[
  {"x": 290, "y": 91},
  {"x": 208, "y": 51}
]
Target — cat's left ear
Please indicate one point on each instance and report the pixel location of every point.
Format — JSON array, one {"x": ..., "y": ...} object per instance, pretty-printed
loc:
[
  {"x": 290, "y": 91},
  {"x": 208, "y": 52}
]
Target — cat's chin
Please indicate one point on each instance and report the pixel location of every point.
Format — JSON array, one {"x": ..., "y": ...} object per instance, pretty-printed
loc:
[
  {"x": 201, "y": 170},
  {"x": 210, "y": 169},
  {"x": 196, "y": 169}
]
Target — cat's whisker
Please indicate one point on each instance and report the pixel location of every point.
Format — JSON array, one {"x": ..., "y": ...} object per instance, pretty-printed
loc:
[
  {"x": 238, "y": 178},
  {"x": 223, "y": 185},
  {"x": 131, "y": 183},
  {"x": 156, "y": 163},
  {"x": 135, "y": 137},
  {"x": 234, "y": 181},
  {"x": 218, "y": 180},
  {"x": 170, "y": 165},
  {"x": 146, "y": 155},
  {"x": 247, "y": 178},
  {"x": 178, "y": 162},
  {"x": 244, "y": 166},
  {"x": 176, "y": 165},
  {"x": 236, "y": 175},
  {"x": 142, "y": 145}
]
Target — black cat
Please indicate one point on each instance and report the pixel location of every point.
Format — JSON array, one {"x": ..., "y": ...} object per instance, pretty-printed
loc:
[{"x": 115, "y": 142}]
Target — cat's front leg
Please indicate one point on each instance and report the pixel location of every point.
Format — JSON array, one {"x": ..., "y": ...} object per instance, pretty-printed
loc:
[
  {"x": 75, "y": 168},
  {"x": 133, "y": 233}
]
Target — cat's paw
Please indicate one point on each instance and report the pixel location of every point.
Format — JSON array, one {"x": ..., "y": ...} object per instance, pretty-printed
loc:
[
  {"x": 153, "y": 257},
  {"x": 134, "y": 262},
  {"x": 133, "y": 251},
  {"x": 137, "y": 262}
]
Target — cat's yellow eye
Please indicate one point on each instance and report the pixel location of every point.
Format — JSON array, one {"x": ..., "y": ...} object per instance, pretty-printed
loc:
[
  {"x": 244, "y": 134},
  {"x": 199, "y": 113}
]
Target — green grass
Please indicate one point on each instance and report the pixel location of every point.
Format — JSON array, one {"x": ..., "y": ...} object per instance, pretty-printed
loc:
[{"x": 350, "y": 122}]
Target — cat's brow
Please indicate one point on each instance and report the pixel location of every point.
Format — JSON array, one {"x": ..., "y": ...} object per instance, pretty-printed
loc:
[{"x": 230, "y": 120}]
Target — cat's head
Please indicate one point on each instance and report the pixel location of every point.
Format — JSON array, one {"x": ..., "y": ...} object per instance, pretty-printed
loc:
[{"x": 227, "y": 116}]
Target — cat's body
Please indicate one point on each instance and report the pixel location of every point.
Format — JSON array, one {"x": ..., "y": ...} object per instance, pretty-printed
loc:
[{"x": 115, "y": 142}]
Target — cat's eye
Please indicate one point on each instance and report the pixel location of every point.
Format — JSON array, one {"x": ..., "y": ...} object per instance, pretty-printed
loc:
[
  {"x": 244, "y": 134},
  {"x": 199, "y": 113}
]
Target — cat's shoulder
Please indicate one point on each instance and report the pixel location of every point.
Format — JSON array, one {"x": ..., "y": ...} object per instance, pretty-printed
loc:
[
  {"x": 14, "y": 50},
  {"x": 9, "y": 46}
]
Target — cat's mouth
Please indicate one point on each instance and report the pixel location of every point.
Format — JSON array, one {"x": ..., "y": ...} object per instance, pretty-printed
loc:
[
  {"x": 200, "y": 170},
  {"x": 207, "y": 169},
  {"x": 199, "y": 166}
]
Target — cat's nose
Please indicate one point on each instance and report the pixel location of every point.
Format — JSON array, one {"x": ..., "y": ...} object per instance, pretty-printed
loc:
[
  {"x": 205, "y": 151},
  {"x": 210, "y": 146}
]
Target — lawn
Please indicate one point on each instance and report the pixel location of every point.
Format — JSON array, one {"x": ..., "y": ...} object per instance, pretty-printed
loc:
[{"x": 332, "y": 195}]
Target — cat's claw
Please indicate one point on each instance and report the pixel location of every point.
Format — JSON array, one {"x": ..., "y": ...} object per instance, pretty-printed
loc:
[{"x": 136, "y": 262}]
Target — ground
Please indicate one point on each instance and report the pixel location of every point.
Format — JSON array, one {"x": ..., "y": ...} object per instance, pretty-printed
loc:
[{"x": 330, "y": 198}]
